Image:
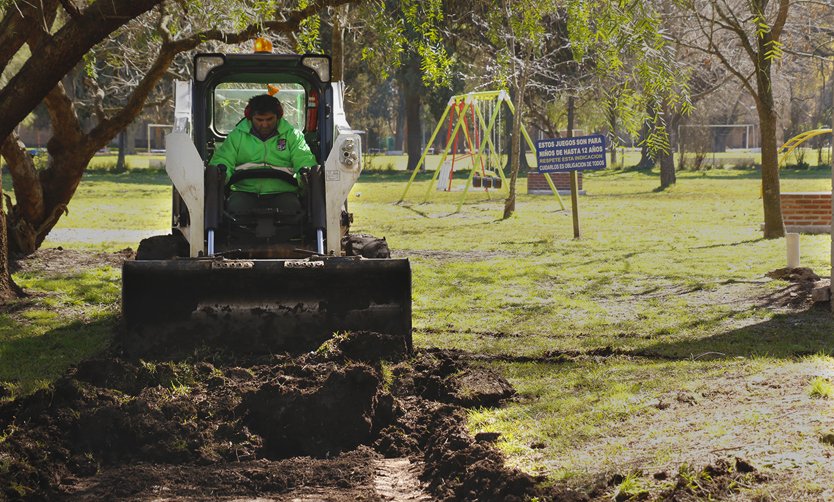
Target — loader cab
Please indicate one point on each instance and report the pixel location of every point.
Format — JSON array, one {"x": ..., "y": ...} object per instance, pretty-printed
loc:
[
  {"x": 222, "y": 86},
  {"x": 224, "y": 83}
]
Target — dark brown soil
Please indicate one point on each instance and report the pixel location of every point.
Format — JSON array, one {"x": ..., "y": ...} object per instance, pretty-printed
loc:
[
  {"x": 60, "y": 260},
  {"x": 320, "y": 426},
  {"x": 797, "y": 294},
  {"x": 307, "y": 427}
]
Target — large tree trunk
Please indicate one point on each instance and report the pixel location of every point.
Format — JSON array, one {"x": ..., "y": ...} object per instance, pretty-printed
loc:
[
  {"x": 8, "y": 289},
  {"x": 413, "y": 124}
]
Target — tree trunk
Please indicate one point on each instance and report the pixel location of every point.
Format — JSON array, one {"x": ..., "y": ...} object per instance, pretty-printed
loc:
[
  {"x": 513, "y": 147},
  {"x": 771, "y": 198},
  {"x": 120, "y": 162},
  {"x": 516, "y": 152},
  {"x": 612, "y": 124},
  {"x": 647, "y": 162},
  {"x": 413, "y": 125},
  {"x": 338, "y": 43},
  {"x": 399, "y": 137},
  {"x": 667, "y": 170},
  {"x": 130, "y": 143},
  {"x": 667, "y": 159},
  {"x": 8, "y": 289}
]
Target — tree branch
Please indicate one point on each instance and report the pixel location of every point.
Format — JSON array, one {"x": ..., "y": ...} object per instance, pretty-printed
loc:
[
  {"x": 781, "y": 18},
  {"x": 39, "y": 75},
  {"x": 65, "y": 124},
  {"x": 24, "y": 177},
  {"x": 71, "y": 9},
  {"x": 16, "y": 27},
  {"x": 108, "y": 128}
]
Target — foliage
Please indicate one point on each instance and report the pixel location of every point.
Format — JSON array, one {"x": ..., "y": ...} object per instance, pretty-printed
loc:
[
  {"x": 627, "y": 44},
  {"x": 308, "y": 37},
  {"x": 408, "y": 27}
]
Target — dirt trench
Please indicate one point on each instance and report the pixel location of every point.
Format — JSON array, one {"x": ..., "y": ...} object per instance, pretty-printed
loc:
[{"x": 336, "y": 424}]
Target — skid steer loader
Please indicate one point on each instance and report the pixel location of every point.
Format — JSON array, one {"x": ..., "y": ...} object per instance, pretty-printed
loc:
[{"x": 253, "y": 282}]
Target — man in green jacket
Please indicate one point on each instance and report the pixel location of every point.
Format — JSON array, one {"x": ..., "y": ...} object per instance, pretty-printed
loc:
[{"x": 262, "y": 157}]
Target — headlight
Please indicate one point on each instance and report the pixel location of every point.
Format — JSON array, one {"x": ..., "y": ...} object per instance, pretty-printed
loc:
[{"x": 349, "y": 155}]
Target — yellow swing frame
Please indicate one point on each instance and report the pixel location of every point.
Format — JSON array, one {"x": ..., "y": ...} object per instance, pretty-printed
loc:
[{"x": 469, "y": 100}]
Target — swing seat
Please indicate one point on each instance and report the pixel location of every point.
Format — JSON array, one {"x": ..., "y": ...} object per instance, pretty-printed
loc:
[{"x": 479, "y": 181}]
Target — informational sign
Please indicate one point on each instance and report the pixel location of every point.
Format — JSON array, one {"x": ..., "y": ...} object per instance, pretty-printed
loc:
[{"x": 580, "y": 153}]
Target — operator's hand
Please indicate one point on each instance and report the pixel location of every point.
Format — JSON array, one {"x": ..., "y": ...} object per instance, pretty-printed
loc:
[{"x": 220, "y": 171}]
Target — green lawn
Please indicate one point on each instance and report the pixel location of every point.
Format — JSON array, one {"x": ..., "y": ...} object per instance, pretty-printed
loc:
[{"x": 659, "y": 294}]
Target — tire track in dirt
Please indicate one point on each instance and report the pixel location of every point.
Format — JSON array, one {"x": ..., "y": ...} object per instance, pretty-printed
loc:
[{"x": 397, "y": 480}]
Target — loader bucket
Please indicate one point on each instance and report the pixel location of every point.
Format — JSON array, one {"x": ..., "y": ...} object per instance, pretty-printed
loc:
[{"x": 175, "y": 307}]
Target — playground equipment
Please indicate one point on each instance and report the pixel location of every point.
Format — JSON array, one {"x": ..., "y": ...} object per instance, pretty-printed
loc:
[
  {"x": 791, "y": 144},
  {"x": 467, "y": 114}
]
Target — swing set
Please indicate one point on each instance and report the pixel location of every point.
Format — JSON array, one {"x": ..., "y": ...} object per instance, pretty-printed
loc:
[{"x": 481, "y": 141}]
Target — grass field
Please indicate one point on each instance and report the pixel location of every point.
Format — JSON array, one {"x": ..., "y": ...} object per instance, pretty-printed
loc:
[{"x": 622, "y": 344}]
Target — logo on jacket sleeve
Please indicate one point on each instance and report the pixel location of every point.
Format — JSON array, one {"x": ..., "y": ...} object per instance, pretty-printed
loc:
[{"x": 282, "y": 144}]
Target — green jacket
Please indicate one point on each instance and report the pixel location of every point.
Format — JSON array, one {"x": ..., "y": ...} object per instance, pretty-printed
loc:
[{"x": 285, "y": 151}]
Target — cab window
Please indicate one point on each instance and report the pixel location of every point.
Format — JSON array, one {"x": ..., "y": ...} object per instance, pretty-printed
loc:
[{"x": 230, "y": 98}]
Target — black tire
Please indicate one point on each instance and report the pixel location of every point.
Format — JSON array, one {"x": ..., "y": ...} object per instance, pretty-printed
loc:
[{"x": 162, "y": 247}]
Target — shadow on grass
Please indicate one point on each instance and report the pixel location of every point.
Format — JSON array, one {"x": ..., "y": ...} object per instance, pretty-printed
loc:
[
  {"x": 26, "y": 360},
  {"x": 388, "y": 176},
  {"x": 783, "y": 336},
  {"x": 131, "y": 177},
  {"x": 730, "y": 244}
]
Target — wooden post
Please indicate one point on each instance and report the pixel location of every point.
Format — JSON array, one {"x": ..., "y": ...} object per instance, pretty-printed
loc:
[
  {"x": 831, "y": 230},
  {"x": 574, "y": 176}
]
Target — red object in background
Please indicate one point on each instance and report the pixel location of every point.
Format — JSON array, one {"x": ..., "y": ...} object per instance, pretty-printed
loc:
[{"x": 312, "y": 111}]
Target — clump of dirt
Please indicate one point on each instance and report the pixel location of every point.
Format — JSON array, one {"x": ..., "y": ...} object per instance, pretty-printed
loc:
[
  {"x": 317, "y": 418},
  {"x": 716, "y": 481},
  {"x": 799, "y": 274},
  {"x": 445, "y": 376},
  {"x": 309, "y": 425},
  {"x": 797, "y": 294},
  {"x": 365, "y": 346}
]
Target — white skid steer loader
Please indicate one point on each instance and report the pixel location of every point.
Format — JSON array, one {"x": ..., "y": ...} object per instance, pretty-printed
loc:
[{"x": 254, "y": 283}]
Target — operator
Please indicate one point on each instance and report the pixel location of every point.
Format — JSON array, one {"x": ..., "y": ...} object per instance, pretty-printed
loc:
[{"x": 262, "y": 157}]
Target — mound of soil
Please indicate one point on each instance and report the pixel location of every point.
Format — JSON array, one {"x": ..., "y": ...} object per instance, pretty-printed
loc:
[
  {"x": 799, "y": 274},
  {"x": 797, "y": 295},
  {"x": 445, "y": 376},
  {"x": 309, "y": 427}
]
